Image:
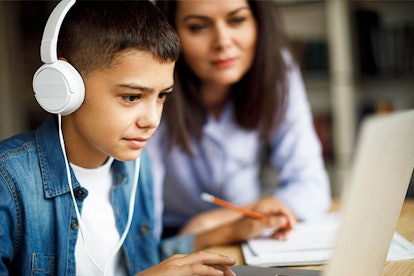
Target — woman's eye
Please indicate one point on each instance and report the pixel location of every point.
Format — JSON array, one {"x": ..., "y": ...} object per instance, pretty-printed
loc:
[
  {"x": 131, "y": 98},
  {"x": 196, "y": 27},
  {"x": 237, "y": 20}
]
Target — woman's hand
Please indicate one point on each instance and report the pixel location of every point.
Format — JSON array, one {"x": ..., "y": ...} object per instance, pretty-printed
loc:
[
  {"x": 268, "y": 205},
  {"x": 198, "y": 263},
  {"x": 271, "y": 206},
  {"x": 238, "y": 228}
]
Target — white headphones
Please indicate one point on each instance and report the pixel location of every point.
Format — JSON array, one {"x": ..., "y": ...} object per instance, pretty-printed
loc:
[{"x": 58, "y": 86}]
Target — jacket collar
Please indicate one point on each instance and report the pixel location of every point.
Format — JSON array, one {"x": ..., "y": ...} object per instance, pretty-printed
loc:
[
  {"x": 52, "y": 162},
  {"x": 51, "y": 159}
]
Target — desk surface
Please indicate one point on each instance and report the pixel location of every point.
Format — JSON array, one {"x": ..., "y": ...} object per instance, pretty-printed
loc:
[{"x": 405, "y": 227}]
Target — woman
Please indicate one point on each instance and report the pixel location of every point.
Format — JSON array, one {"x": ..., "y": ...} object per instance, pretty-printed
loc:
[{"x": 240, "y": 103}]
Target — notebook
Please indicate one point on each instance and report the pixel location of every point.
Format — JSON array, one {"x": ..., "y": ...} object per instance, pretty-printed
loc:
[
  {"x": 371, "y": 204},
  {"x": 311, "y": 243}
]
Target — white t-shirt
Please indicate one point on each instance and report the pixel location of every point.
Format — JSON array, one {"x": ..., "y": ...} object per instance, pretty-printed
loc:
[{"x": 100, "y": 234}]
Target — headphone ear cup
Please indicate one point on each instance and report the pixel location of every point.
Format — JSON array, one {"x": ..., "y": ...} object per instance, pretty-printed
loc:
[{"x": 58, "y": 87}]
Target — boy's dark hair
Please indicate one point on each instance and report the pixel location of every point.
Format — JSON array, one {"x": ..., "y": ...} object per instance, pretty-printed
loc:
[
  {"x": 93, "y": 33},
  {"x": 257, "y": 97}
]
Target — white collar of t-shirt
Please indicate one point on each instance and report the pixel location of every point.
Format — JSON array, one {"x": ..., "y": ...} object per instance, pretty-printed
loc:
[{"x": 98, "y": 221}]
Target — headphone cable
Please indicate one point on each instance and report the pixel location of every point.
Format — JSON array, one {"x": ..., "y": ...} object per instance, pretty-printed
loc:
[{"x": 81, "y": 228}]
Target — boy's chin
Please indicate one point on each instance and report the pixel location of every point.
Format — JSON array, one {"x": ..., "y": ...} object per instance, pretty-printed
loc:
[{"x": 130, "y": 156}]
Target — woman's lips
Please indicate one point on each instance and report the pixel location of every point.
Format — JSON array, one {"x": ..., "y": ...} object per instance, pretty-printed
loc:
[{"x": 224, "y": 63}]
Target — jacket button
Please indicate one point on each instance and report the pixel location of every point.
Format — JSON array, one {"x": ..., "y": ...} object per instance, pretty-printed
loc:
[
  {"x": 145, "y": 229},
  {"x": 80, "y": 193},
  {"x": 74, "y": 224}
]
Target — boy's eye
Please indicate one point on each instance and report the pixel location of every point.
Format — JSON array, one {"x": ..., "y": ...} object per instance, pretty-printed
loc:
[
  {"x": 163, "y": 96},
  {"x": 131, "y": 98}
]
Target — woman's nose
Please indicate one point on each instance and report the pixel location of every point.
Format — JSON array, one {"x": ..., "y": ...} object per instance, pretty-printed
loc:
[{"x": 222, "y": 38}]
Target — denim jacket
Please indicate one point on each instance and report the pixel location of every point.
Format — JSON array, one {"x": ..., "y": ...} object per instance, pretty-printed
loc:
[{"x": 38, "y": 223}]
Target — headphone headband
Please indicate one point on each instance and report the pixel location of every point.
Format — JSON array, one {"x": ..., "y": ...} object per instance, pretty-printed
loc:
[{"x": 48, "y": 48}]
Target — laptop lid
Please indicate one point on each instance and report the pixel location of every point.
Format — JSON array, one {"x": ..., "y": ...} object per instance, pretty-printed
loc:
[
  {"x": 371, "y": 204},
  {"x": 382, "y": 167}
]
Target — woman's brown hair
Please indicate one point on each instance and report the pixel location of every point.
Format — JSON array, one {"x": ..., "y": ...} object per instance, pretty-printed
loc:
[{"x": 259, "y": 98}]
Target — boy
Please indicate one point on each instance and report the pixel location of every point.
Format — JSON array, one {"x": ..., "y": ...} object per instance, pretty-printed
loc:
[{"x": 72, "y": 216}]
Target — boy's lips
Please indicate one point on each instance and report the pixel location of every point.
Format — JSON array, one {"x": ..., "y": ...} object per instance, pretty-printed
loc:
[{"x": 137, "y": 143}]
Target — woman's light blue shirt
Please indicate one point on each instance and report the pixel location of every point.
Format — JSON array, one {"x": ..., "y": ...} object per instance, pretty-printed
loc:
[{"x": 227, "y": 161}]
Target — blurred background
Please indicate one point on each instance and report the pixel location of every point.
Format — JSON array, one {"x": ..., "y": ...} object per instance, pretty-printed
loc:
[{"x": 357, "y": 59}]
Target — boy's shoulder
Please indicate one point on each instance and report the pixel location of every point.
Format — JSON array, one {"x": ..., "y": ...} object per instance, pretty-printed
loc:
[
  {"x": 43, "y": 138},
  {"x": 17, "y": 144}
]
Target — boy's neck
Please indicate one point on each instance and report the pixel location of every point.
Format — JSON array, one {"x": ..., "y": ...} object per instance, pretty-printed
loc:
[{"x": 78, "y": 151}]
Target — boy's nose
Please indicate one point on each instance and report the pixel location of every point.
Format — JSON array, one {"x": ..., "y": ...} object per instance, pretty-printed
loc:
[{"x": 149, "y": 117}]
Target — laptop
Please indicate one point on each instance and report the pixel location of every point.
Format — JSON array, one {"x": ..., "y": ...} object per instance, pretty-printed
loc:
[{"x": 371, "y": 204}]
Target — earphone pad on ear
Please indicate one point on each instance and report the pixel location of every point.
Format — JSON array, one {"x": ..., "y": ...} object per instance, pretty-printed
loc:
[{"x": 58, "y": 87}]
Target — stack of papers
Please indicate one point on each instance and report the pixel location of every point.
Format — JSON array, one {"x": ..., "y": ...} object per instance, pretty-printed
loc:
[{"x": 311, "y": 244}]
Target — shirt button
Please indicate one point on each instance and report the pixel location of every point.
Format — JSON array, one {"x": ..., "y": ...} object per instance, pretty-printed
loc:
[{"x": 74, "y": 224}]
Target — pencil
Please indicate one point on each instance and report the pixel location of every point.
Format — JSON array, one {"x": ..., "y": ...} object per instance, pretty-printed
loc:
[{"x": 209, "y": 198}]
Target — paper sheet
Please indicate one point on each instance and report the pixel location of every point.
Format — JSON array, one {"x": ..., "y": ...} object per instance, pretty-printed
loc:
[{"x": 311, "y": 244}]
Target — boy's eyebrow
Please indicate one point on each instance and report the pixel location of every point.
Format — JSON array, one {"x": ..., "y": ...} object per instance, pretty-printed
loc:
[
  {"x": 142, "y": 88},
  {"x": 203, "y": 17}
]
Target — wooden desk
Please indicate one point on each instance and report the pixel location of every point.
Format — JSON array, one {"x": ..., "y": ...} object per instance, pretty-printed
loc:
[{"x": 405, "y": 227}]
